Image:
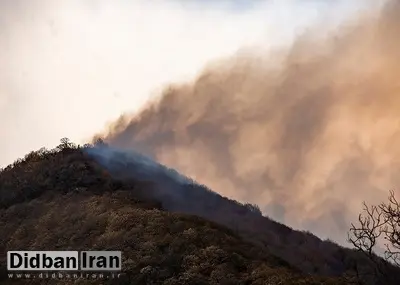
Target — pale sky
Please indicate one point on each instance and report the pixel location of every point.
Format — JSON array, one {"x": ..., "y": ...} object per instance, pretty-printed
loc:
[{"x": 68, "y": 67}]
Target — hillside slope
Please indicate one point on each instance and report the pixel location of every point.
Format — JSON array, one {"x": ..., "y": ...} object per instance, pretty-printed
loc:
[
  {"x": 158, "y": 247},
  {"x": 62, "y": 200},
  {"x": 67, "y": 198},
  {"x": 302, "y": 250}
]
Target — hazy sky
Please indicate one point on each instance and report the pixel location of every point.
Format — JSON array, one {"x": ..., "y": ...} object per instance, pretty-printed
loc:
[{"x": 69, "y": 67}]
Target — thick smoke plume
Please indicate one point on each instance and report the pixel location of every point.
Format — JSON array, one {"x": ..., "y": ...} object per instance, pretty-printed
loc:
[{"x": 307, "y": 134}]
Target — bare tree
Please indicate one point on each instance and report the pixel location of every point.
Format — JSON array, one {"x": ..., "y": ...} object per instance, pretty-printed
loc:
[{"x": 379, "y": 225}]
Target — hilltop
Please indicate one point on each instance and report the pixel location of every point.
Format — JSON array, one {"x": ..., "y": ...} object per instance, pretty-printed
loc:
[{"x": 170, "y": 229}]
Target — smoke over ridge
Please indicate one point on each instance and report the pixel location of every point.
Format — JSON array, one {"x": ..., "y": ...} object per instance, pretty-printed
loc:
[
  {"x": 97, "y": 59},
  {"x": 306, "y": 134}
]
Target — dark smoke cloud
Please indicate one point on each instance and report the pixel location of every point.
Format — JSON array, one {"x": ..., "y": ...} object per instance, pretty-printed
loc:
[{"x": 307, "y": 134}]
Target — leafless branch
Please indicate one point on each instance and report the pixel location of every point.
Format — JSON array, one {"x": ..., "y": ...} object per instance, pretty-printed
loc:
[{"x": 379, "y": 224}]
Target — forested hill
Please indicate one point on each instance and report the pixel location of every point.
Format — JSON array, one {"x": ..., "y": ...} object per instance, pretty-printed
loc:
[{"x": 171, "y": 230}]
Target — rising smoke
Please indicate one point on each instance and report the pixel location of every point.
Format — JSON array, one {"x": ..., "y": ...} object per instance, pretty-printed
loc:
[
  {"x": 83, "y": 63},
  {"x": 307, "y": 134}
]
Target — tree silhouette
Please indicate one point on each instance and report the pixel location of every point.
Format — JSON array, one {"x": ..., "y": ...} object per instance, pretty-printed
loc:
[
  {"x": 379, "y": 224},
  {"x": 65, "y": 143},
  {"x": 99, "y": 142}
]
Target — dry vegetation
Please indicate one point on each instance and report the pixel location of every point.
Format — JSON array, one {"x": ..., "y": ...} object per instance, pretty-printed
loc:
[{"x": 62, "y": 199}]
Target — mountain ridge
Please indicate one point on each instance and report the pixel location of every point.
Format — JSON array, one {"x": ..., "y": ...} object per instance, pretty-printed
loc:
[{"x": 75, "y": 171}]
